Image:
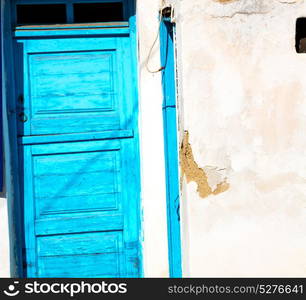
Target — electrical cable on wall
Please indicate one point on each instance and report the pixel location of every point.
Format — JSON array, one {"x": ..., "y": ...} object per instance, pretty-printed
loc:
[
  {"x": 162, "y": 12},
  {"x": 152, "y": 47}
]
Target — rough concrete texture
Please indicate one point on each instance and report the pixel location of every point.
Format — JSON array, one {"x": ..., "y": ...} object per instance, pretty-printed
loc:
[{"x": 243, "y": 102}]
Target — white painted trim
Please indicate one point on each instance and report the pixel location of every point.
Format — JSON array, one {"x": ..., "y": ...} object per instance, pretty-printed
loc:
[
  {"x": 4, "y": 244},
  {"x": 155, "y": 245}
]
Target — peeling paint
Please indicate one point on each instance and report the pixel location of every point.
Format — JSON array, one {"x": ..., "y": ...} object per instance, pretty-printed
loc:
[{"x": 193, "y": 172}]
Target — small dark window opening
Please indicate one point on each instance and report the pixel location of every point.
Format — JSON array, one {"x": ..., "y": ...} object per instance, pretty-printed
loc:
[
  {"x": 98, "y": 12},
  {"x": 41, "y": 14},
  {"x": 300, "y": 35}
]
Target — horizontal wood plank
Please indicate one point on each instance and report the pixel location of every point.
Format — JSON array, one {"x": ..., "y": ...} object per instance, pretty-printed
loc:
[
  {"x": 74, "y": 137},
  {"x": 88, "y": 222}
]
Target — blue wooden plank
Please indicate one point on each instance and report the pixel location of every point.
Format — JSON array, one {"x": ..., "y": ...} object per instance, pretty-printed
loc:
[
  {"x": 104, "y": 25},
  {"x": 135, "y": 253},
  {"x": 81, "y": 266},
  {"x": 23, "y": 32},
  {"x": 69, "y": 44},
  {"x": 76, "y": 147},
  {"x": 29, "y": 215},
  {"x": 78, "y": 249},
  {"x": 93, "y": 179},
  {"x": 171, "y": 146},
  {"x": 74, "y": 137},
  {"x": 67, "y": 224},
  {"x": 73, "y": 244}
]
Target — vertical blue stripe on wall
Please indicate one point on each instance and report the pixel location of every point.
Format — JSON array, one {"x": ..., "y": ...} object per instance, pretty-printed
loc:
[{"x": 171, "y": 146}]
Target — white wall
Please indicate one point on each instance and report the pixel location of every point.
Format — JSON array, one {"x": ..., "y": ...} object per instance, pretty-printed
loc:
[
  {"x": 243, "y": 102},
  {"x": 152, "y": 147},
  {"x": 4, "y": 249}
]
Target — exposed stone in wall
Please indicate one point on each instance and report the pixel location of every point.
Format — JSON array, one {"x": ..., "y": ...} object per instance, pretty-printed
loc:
[{"x": 200, "y": 176}]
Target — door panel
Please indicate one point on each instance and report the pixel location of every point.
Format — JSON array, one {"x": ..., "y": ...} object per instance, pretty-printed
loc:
[
  {"x": 75, "y": 85},
  {"x": 78, "y": 150},
  {"x": 92, "y": 179},
  {"x": 80, "y": 202},
  {"x": 81, "y": 253}
]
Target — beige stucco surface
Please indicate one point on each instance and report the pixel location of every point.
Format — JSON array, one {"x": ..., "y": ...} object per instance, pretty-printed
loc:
[{"x": 243, "y": 102}]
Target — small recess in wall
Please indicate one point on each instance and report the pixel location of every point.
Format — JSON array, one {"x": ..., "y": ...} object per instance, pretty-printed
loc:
[{"x": 300, "y": 35}]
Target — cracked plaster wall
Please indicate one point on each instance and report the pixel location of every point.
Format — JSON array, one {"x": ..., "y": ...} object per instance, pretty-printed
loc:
[{"x": 242, "y": 101}]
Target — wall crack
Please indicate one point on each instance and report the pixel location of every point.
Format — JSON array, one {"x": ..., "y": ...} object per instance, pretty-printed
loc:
[{"x": 240, "y": 13}]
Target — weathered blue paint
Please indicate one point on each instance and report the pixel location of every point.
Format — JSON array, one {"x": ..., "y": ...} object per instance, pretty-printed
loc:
[
  {"x": 76, "y": 107},
  {"x": 132, "y": 81},
  {"x": 111, "y": 25},
  {"x": 74, "y": 85},
  {"x": 75, "y": 137},
  {"x": 171, "y": 146},
  {"x": 94, "y": 30},
  {"x": 80, "y": 200}
]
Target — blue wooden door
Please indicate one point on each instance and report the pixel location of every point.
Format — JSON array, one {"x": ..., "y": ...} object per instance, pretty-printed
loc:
[{"x": 78, "y": 151}]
